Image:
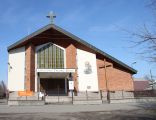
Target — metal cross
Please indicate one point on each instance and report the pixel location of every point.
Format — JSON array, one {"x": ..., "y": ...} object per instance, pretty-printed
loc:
[{"x": 51, "y": 15}]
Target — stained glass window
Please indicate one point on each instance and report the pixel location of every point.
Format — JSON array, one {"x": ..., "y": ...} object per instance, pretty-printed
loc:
[{"x": 50, "y": 57}]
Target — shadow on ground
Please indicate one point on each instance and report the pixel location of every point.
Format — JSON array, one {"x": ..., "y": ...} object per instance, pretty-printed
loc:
[{"x": 103, "y": 115}]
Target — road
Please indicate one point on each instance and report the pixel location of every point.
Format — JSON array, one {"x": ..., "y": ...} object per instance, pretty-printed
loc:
[{"x": 131, "y": 111}]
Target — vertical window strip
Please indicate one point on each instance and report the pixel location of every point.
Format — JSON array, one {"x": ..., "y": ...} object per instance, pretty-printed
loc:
[
  {"x": 60, "y": 59},
  {"x": 42, "y": 61},
  {"x": 39, "y": 59},
  {"x": 49, "y": 57},
  {"x": 52, "y": 56},
  {"x": 56, "y": 57},
  {"x": 62, "y": 63},
  {"x": 39, "y": 54}
]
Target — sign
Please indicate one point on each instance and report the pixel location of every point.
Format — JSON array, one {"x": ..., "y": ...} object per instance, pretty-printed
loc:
[
  {"x": 71, "y": 85},
  {"x": 57, "y": 70},
  {"x": 25, "y": 93}
]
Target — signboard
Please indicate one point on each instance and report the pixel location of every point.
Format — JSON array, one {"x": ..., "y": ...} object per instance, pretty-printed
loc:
[
  {"x": 25, "y": 93},
  {"x": 56, "y": 70},
  {"x": 71, "y": 85}
]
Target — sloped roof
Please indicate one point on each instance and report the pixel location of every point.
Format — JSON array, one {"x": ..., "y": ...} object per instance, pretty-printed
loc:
[{"x": 74, "y": 38}]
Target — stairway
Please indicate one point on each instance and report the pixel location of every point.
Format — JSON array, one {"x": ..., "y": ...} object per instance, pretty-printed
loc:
[{"x": 58, "y": 99}]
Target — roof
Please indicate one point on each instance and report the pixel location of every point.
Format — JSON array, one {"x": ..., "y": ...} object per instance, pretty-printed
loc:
[
  {"x": 141, "y": 85},
  {"x": 79, "y": 40}
]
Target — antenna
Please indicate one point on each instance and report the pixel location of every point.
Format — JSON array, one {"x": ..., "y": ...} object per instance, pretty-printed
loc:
[{"x": 51, "y": 15}]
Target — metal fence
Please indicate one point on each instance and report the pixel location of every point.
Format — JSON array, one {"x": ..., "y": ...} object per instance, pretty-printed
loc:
[{"x": 145, "y": 93}]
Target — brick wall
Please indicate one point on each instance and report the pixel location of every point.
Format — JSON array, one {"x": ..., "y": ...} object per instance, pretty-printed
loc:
[
  {"x": 30, "y": 67},
  {"x": 101, "y": 73},
  {"x": 117, "y": 78},
  {"x": 71, "y": 62}
]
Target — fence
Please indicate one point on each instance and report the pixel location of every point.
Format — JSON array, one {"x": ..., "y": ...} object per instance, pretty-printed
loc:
[
  {"x": 17, "y": 96},
  {"x": 146, "y": 93},
  {"x": 89, "y": 96},
  {"x": 131, "y": 94}
]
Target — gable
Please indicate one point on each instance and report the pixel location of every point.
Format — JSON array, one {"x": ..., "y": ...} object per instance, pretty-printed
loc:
[{"x": 57, "y": 31}]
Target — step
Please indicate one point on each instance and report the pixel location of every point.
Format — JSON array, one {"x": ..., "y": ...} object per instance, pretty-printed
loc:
[
  {"x": 56, "y": 99},
  {"x": 86, "y": 98},
  {"x": 26, "y": 102},
  {"x": 89, "y": 102}
]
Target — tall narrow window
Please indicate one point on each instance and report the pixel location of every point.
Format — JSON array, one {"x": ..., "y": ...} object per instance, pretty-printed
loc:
[{"x": 50, "y": 57}]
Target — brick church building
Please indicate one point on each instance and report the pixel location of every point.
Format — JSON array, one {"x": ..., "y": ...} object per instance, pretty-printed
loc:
[{"x": 49, "y": 58}]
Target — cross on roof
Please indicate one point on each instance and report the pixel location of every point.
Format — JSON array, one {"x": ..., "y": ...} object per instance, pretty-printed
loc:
[{"x": 51, "y": 15}]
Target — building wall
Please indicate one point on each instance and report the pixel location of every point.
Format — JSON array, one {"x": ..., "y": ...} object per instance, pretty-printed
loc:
[
  {"x": 30, "y": 67},
  {"x": 117, "y": 78},
  {"x": 16, "y": 69},
  {"x": 87, "y": 80},
  {"x": 71, "y": 62}
]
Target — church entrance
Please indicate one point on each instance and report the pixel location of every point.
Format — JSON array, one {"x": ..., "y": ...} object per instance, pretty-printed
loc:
[{"x": 53, "y": 87}]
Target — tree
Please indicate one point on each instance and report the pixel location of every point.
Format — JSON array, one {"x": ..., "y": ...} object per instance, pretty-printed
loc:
[
  {"x": 2, "y": 89},
  {"x": 146, "y": 38},
  {"x": 151, "y": 79}
]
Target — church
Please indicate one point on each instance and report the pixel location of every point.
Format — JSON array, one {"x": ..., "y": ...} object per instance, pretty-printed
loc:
[{"x": 52, "y": 59}]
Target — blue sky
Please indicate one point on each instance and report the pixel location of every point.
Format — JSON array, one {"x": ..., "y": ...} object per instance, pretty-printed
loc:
[{"x": 99, "y": 22}]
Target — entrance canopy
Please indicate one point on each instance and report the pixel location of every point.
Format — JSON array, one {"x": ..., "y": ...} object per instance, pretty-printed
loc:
[{"x": 54, "y": 73}]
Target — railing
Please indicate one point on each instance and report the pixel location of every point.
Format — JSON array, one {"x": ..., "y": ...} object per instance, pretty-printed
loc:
[
  {"x": 145, "y": 93},
  {"x": 15, "y": 96}
]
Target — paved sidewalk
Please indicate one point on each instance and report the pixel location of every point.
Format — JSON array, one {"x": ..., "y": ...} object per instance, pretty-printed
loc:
[{"x": 75, "y": 108}]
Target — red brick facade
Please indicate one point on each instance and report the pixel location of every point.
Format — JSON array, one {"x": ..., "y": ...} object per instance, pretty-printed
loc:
[
  {"x": 71, "y": 62},
  {"x": 117, "y": 78},
  {"x": 30, "y": 68}
]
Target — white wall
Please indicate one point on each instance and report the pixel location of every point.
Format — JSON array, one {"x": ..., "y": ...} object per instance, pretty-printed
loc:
[
  {"x": 91, "y": 78},
  {"x": 16, "y": 69}
]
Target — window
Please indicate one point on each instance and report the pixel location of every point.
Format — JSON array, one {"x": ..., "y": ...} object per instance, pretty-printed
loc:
[{"x": 50, "y": 57}]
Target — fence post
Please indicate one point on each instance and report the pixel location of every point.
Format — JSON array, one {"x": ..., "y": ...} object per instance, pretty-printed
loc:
[
  {"x": 72, "y": 96},
  {"x": 108, "y": 96},
  {"x": 86, "y": 95},
  {"x": 38, "y": 95},
  {"x": 7, "y": 96},
  {"x": 101, "y": 95},
  {"x": 122, "y": 94},
  {"x": 58, "y": 93}
]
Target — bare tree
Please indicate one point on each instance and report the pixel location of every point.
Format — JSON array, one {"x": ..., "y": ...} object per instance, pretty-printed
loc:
[
  {"x": 2, "y": 89},
  {"x": 146, "y": 38},
  {"x": 151, "y": 79}
]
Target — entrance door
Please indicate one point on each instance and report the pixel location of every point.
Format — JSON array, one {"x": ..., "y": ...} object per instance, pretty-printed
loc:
[{"x": 53, "y": 87}]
